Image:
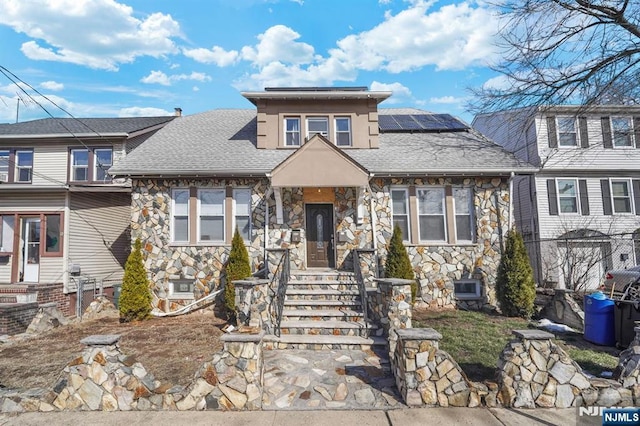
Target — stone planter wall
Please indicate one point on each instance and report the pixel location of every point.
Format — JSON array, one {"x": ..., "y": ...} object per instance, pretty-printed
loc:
[
  {"x": 253, "y": 299},
  {"x": 393, "y": 309}
]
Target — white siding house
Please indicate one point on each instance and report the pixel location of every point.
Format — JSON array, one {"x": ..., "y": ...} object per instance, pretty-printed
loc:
[{"x": 580, "y": 215}]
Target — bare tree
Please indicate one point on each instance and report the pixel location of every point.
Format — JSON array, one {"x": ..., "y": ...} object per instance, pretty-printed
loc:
[{"x": 565, "y": 51}]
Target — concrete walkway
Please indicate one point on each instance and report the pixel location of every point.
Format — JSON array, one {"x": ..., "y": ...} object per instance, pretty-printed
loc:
[{"x": 398, "y": 417}]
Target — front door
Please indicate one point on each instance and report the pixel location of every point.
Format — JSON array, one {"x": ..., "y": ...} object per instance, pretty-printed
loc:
[
  {"x": 30, "y": 250},
  {"x": 319, "y": 230}
]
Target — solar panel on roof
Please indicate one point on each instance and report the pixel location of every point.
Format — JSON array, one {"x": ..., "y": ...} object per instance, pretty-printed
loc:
[
  {"x": 429, "y": 122},
  {"x": 451, "y": 122},
  {"x": 407, "y": 122},
  {"x": 386, "y": 123}
]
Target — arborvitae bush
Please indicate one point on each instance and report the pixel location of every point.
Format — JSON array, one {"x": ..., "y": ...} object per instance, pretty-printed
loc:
[
  {"x": 398, "y": 264},
  {"x": 515, "y": 287},
  {"x": 135, "y": 297},
  {"x": 238, "y": 268}
]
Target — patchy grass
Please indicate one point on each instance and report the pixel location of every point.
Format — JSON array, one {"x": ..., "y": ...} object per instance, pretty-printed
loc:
[
  {"x": 172, "y": 349},
  {"x": 475, "y": 340}
]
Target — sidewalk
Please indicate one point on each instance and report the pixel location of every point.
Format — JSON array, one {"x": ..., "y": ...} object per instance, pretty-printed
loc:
[{"x": 402, "y": 417}]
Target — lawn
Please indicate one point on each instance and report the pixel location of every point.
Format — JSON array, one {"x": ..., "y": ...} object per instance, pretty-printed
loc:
[{"x": 475, "y": 340}]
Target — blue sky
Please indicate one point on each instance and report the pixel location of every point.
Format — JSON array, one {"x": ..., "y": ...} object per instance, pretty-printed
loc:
[{"x": 118, "y": 58}]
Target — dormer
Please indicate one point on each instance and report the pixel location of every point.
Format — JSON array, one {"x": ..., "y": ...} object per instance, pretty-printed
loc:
[{"x": 288, "y": 117}]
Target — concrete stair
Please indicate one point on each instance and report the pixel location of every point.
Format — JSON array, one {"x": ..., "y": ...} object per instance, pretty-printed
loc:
[
  {"x": 17, "y": 294},
  {"x": 323, "y": 310}
]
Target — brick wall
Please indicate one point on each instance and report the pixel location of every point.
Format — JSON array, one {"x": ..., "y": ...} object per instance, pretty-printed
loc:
[
  {"x": 48, "y": 293},
  {"x": 15, "y": 318}
]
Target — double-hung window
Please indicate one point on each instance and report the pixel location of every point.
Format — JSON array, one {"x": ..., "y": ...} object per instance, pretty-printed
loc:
[
  {"x": 317, "y": 125},
  {"x": 621, "y": 196},
  {"x": 463, "y": 202},
  {"x": 567, "y": 195},
  {"x": 211, "y": 209},
  {"x": 343, "y": 131},
  {"x": 400, "y": 210},
  {"x": 79, "y": 165},
  {"x": 622, "y": 128},
  {"x": 567, "y": 134},
  {"x": 24, "y": 166},
  {"x": 242, "y": 212},
  {"x": 103, "y": 160},
  {"x": 180, "y": 215},
  {"x": 292, "y": 131},
  {"x": 4, "y": 166},
  {"x": 431, "y": 214}
]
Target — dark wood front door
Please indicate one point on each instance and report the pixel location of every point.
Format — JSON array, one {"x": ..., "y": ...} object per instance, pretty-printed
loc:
[{"x": 319, "y": 227}]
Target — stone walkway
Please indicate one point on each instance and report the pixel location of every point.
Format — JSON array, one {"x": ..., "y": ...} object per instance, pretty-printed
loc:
[{"x": 329, "y": 379}]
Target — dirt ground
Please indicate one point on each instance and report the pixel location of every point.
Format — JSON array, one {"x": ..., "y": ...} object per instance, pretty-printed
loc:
[{"x": 172, "y": 349}]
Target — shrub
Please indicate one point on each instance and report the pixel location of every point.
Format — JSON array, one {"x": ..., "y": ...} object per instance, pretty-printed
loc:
[
  {"x": 398, "y": 264},
  {"x": 237, "y": 268},
  {"x": 135, "y": 297},
  {"x": 515, "y": 287}
]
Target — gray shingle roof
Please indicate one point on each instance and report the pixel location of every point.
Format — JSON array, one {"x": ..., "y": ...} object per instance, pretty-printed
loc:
[
  {"x": 65, "y": 126},
  {"x": 224, "y": 142}
]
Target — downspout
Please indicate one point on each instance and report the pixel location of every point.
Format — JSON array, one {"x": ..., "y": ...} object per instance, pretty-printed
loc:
[
  {"x": 510, "y": 221},
  {"x": 266, "y": 226},
  {"x": 372, "y": 212}
]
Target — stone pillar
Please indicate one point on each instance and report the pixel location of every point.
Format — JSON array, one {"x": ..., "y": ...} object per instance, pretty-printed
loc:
[
  {"x": 427, "y": 376},
  {"x": 394, "y": 309},
  {"x": 535, "y": 372},
  {"x": 231, "y": 381},
  {"x": 628, "y": 369},
  {"x": 253, "y": 299}
]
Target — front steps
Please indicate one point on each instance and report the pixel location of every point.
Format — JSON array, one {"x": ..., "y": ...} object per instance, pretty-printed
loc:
[{"x": 323, "y": 310}]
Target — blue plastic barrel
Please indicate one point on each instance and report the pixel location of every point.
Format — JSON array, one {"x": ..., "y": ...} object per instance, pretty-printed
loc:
[{"x": 599, "y": 319}]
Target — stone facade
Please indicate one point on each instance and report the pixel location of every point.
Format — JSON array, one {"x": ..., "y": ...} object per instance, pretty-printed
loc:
[{"x": 437, "y": 266}]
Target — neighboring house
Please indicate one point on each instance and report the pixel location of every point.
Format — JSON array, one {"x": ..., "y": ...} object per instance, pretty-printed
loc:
[
  {"x": 62, "y": 216},
  {"x": 580, "y": 214},
  {"x": 320, "y": 171}
]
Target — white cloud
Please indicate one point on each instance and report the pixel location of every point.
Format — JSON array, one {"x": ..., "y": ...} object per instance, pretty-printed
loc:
[
  {"x": 400, "y": 92},
  {"x": 52, "y": 85},
  {"x": 158, "y": 77},
  {"x": 143, "y": 112},
  {"x": 278, "y": 44},
  {"x": 447, "y": 100},
  {"x": 216, "y": 55},
  {"x": 95, "y": 33}
]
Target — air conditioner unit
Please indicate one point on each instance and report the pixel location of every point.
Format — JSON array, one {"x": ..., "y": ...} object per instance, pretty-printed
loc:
[{"x": 4, "y": 177}]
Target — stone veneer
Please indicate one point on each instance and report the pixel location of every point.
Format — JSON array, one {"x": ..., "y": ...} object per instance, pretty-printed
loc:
[{"x": 436, "y": 265}]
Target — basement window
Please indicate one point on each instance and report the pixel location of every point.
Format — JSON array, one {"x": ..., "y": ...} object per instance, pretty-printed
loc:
[
  {"x": 467, "y": 289},
  {"x": 181, "y": 289}
]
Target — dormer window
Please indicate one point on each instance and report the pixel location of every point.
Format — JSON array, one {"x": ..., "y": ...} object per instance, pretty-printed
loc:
[
  {"x": 343, "y": 131},
  {"x": 317, "y": 125},
  {"x": 292, "y": 131}
]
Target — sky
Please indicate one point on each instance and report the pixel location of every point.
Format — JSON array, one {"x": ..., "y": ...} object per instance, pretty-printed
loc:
[{"x": 124, "y": 58}]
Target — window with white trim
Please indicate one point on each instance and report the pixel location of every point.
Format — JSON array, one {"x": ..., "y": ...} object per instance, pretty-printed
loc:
[
  {"x": 621, "y": 196},
  {"x": 79, "y": 165},
  {"x": 180, "y": 215},
  {"x": 103, "y": 160},
  {"x": 400, "y": 210},
  {"x": 467, "y": 289},
  {"x": 242, "y": 212},
  {"x": 292, "y": 131},
  {"x": 6, "y": 233},
  {"x": 567, "y": 134},
  {"x": 24, "y": 166},
  {"x": 567, "y": 195},
  {"x": 317, "y": 125},
  {"x": 4, "y": 165},
  {"x": 463, "y": 206},
  {"x": 622, "y": 129},
  {"x": 431, "y": 214},
  {"x": 211, "y": 215},
  {"x": 343, "y": 131},
  {"x": 181, "y": 289}
]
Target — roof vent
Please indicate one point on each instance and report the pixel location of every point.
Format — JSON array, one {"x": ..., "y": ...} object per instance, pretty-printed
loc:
[{"x": 178, "y": 112}]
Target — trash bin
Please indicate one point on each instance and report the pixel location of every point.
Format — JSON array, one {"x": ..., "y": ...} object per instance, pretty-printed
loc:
[
  {"x": 599, "y": 319},
  {"x": 626, "y": 312}
]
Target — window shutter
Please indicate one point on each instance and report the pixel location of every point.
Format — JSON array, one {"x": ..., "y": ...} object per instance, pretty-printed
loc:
[
  {"x": 553, "y": 197},
  {"x": 606, "y": 197},
  {"x": 636, "y": 195},
  {"x": 584, "y": 134},
  {"x": 551, "y": 132},
  {"x": 584, "y": 197},
  {"x": 606, "y": 132},
  {"x": 636, "y": 130}
]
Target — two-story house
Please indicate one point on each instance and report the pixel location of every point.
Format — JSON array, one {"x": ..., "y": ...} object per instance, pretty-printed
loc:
[
  {"x": 320, "y": 172},
  {"x": 62, "y": 216},
  {"x": 580, "y": 214}
]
